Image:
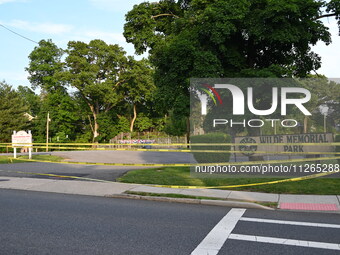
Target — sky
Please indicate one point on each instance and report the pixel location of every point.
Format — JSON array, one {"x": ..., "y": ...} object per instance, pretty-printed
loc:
[{"x": 85, "y": 20}]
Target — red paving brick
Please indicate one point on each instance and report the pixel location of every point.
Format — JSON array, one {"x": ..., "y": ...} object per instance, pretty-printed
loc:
[{"x": 309, "y": 207}]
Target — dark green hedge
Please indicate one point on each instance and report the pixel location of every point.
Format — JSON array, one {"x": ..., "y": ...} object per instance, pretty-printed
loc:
[
  {"x": 337, "y": 148},
  {"x": 210, "y": 157}
]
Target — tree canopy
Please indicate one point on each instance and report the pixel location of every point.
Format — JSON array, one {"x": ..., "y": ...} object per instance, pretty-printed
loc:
[
  {"x": 93, "y": 90},
  {"x": 102, "y": 77},
  {"x": 227, "y": 38},
  {"x": 13, "y": 112}
]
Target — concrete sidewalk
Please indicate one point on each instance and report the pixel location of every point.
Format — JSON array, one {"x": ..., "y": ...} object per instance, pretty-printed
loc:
[{"x": 330, "y": 203}]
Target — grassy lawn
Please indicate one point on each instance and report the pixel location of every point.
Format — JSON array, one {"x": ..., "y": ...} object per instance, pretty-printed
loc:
[
  {"x": 7, "y": 160},
  {"x": 181, "y": 176},
  {"x": 269, "y": 204},
  {"x": 169, "y": 195}
]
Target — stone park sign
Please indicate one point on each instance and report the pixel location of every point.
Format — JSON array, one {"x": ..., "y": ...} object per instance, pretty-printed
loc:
[
  {"x": 22, "y": 139},
  {"x": 290, "y": 143}
]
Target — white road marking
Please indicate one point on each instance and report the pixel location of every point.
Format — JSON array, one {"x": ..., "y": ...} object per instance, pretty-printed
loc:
[
  {"x": 284, "y": 241},
  {"x": 214, "y": 241},
  {"x": 298, "y": 223}
]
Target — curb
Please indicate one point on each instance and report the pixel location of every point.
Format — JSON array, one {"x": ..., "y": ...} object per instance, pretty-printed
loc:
[{"x": 237, "y": 204}]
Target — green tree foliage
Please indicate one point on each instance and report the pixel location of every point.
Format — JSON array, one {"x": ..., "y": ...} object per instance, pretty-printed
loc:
[
  {"x": 97, "y": 71},
  {"x": 143, "y": 123},
  {"x": 325, "y": 101},
  {"x": 139, "y": 88},
  {"x": 105, "y": 83},
  {"x": 175, "y": 125},
  {"x": 123, "y": 125},
  {"x": 227, "y": 38},
  {"x": 12, "y": 112},
  {"x": 337, "y": 148},
  {"x": 211, "y": 157},
  {"x": 31, "y": 99},
  {"x": 45, "y": 63},
  {"x": 63, "y": 114},
  {"x": 44, "y": 69}
]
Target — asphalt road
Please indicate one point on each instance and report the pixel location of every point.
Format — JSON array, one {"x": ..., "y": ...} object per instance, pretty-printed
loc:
[
  {"x": 138, "y": 157},
  {"x": 109, "y": 173},
  {"x": 46, "y": 223}
]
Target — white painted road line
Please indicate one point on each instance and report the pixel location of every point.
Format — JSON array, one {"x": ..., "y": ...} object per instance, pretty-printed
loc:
[
  {"x": 214, "y": 241},
  {"x": 284, "y": 241},
  {"x": 297, "y": 223}
]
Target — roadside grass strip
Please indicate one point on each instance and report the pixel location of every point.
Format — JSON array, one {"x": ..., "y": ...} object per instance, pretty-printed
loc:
[
  {"x": 295, "y": 179},
  {"x": 312, "y": 176}
]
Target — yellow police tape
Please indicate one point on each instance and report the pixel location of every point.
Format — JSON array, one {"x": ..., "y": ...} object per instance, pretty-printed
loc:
[
  {"x": 58, "y": 176},
  {"x": 193, "y": 164},
  {"x": 186, "y": 164},
  {"x": 169, "y": 144},
  {"x": 187, "y": 151},
  {"x": 313, "y": 176},
  {"x": 180, "y": 150}
]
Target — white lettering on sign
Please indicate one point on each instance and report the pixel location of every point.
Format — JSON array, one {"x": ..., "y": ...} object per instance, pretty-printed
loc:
[
  {"x": 22, "y": 139},
  {"x": 290, "y": 143}
]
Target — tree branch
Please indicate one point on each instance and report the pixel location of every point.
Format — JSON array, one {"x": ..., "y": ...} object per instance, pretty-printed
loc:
[
  {"x": 117, "y": 84},
  {"x": 108, "y": 107},
  {"x": 90, "y": 123},
  {"x": 164, "y": 14},
  {"x": 325, "y": 16},
  {"x": 86, "y": 100}
]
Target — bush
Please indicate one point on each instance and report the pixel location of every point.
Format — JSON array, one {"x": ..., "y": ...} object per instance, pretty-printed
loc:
[
  {"x": 211, "y": 157},
  {"x": 337, "y": 148}
]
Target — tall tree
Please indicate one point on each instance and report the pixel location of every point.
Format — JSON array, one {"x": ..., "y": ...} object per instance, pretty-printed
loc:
[
  {"x": 325, "y": 101},
  {"x": 139, "y": 87},
  {"x": 45, "y": 63},
  {"x": 13, "y": 112},
  {"x": 227, "y": 38},
  {"x": 44, "y": 70},
  {"x": 96, "y": 70},
  {"x": 63, "y": 114},
  {"x": 31, "y": 99}
]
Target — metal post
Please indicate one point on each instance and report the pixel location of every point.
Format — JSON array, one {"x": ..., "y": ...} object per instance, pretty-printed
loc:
[
  {"x": 30, "y": 146},
  {"x": 47, "y": 129},
  {"x": 14, "y": 149},
  {"x": 324, "y": 123},
  {"x": 30, "y": 152}
]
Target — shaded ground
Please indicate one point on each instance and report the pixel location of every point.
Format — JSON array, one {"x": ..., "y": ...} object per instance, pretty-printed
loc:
[
  {"x": 125, "y": 156},
  {"x": 110, "y": 173}
]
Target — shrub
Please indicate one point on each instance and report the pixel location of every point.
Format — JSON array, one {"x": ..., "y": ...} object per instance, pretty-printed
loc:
[
  {"x": 337, "y": 148},
  {"x": 211, "y": 157}
]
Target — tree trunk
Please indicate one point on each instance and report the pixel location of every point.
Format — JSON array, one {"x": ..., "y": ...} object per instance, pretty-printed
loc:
[
  {"x": 305, "y": 124},
  {"x": 95, "y": 123},
  {"x": 134, "y": 118},
  {"x": 96, "y": 127},
  {"x": 188, "y": 131}
]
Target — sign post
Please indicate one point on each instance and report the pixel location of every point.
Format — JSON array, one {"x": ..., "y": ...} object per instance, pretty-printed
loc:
[
  {"x": 22, "y": 139},
  {"x": 47, "y": 129}
]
